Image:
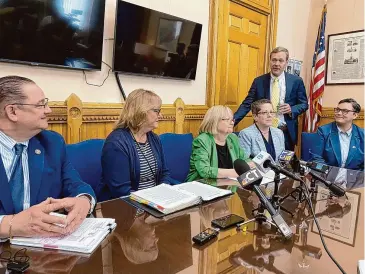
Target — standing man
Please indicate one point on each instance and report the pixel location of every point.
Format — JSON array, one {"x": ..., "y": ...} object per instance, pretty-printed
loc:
[
  {"x": 286, "y": 92},
  {"x": 36, "y": 176}
]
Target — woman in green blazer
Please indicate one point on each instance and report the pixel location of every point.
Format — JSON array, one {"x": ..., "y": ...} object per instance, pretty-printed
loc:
[{"x": 216, "y": 148}]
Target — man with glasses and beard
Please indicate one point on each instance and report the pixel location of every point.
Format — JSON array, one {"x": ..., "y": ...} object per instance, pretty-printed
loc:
[
  {"x": 36, "y": 176},
  {"x": 341, "y": 143}
]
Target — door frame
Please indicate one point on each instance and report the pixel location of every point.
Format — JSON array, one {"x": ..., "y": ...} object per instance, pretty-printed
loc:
[{"x": 215, "y": 9}]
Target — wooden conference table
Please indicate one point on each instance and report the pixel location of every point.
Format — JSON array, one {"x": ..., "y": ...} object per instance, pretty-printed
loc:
[{"x": 143, "y": 244}]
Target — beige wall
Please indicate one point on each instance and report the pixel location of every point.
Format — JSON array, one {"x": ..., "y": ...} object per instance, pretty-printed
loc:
[
  {"x": 293, "y": 19},
  {"x": 58, "y": 84},
  {"x": 297, "y": 30}
]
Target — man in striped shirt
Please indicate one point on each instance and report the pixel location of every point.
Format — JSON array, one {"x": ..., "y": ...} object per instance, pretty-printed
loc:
[{"x": 36, "y": 177}]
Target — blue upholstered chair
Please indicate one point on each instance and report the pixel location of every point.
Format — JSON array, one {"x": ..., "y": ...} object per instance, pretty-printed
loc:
[
  {"x": 177, "y": 149},
  {"x": 86, "y": 159},
  {"x": 309, "y": 140}
]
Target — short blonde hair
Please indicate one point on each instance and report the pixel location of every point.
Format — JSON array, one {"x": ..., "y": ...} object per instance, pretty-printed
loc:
[
  {"x": 213, "y": 116},
  {"x": 280, "y": 49},
  {"x": 134, "y": 112}
]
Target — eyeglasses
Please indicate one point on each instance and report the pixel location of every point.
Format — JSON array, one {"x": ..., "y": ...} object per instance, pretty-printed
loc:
[
  {"x": 344, "y": 111},
  {"x": 267, "y": 113},
  {"x": 156, "y": 110},
  {"x": 228, "y": 119},
  {"x": 44, "y": 104}
]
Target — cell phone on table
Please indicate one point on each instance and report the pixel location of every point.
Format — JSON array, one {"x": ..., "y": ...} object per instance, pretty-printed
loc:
[
  {"x": 227, "y": 221},
  {"x": 205, "y": 236}
]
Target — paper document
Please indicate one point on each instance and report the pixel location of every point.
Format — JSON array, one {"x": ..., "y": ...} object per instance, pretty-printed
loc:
[{"x": 85, "y": 239}]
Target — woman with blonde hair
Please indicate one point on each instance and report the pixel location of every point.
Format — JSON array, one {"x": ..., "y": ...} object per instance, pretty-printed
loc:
[
  {"x": 216, "y": 147},
  {"x": 132, "y": 157}
]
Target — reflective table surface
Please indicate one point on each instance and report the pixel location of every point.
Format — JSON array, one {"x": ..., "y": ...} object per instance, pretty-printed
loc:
[{"x": 144, "y": 244}]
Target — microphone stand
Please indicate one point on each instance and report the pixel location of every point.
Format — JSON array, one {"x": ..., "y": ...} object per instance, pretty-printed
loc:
[
  {"x": 259, "y": 218},
  {"x": 300, "y": 197},
  {"x": 276, "y": 199}
]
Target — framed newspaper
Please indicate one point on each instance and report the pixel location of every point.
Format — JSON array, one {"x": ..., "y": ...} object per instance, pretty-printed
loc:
[
  {"x": 345, "y": 58},
  {"x": 337, "y": 217}
]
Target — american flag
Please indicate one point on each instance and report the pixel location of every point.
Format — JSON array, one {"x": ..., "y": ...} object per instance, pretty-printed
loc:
[{"x": 314, "y": 111}]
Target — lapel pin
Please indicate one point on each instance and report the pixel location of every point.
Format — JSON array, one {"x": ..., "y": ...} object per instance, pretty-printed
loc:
[
  {"x": 353, "y": 147},
  {"x": 37, "y": 151}
]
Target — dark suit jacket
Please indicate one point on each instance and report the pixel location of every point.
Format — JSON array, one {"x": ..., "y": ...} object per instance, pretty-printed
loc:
[
  {"x": 50, "y": 173},
  {"x": 295, "y": 96},
  {"x": 328, "y": 150}
]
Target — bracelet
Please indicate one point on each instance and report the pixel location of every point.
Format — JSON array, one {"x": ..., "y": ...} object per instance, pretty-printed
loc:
[{"x": 10, "y": 226}]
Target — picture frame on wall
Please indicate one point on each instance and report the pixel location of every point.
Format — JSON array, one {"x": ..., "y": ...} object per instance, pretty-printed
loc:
[
  {"x": 168, "y": 34},
  {"x": 345, "y": 64},
  {"x": 340, "y": 227}
]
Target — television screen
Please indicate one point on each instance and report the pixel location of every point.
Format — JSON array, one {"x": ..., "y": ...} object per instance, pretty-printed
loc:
[
  {"x": 60, "y": 33},
  {"x": 148, "y": 42}
]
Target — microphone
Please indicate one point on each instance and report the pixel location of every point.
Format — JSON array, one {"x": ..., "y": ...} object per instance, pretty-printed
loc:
[
  {"x": 252, "y": 178},
  {"x": 289, "y": 160},
  {"x": 259, "y": 160},
  {"x": 335, "y": 189},
  {"x": 265, "y": 162},
  {"x": 322, "y": 168}
]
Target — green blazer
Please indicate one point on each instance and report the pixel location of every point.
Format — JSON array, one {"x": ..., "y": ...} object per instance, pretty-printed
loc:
[{"x": 204, "y": 159}]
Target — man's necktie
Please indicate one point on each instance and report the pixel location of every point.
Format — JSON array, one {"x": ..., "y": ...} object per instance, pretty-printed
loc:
[
  {"x": 275, "y": 100},
  {"x": 17, "y": 179}
]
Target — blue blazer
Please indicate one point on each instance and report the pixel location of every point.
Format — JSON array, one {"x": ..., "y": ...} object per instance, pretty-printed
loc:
[
  {"x": 295, "y": 96},
  {"x": 121, "y": 166},
  {"x": 328, "y": 150},
  {"x": 50, "y": 173},
  {"x": 252, "y": 143}
]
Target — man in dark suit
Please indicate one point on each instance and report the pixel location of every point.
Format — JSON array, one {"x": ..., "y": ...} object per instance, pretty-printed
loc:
[
  {"x": 341, "y": 142},
  {"x": 34, "y": 166},
  {"x": 286, "y": 92}
]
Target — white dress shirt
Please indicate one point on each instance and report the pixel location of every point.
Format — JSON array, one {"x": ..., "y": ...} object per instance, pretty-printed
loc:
[{"x": 345, "y": 139}]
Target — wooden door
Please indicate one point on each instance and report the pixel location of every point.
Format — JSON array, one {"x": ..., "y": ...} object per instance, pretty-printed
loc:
[{"x": 242, "y": 46}]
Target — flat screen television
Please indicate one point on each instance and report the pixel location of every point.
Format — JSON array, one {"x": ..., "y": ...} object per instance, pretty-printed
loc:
[
  {"x": 152, "y": 43},
  {"x": 57, "y": 33}
]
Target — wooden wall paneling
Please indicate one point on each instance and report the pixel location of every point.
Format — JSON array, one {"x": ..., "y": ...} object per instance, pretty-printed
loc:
[
  {"x": 74, "y": 119},
  {"x": 57, "y": 119},
  {"x": 194, "y": 116},
  {"x": 167, "y": 122}
]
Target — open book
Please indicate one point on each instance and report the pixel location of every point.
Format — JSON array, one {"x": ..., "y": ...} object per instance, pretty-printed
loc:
[
  {"x": 168, "y": 199},
  {"x": 85, "y": 239}
]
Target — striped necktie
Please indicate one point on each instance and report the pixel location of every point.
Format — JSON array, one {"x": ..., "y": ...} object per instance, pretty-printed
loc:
[
  {"x": 17, "y": 179},
  {"x": 275, "y": 100}
]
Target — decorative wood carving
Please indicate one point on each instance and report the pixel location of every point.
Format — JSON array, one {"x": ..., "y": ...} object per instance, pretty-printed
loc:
[{"x": 78, "y": 121}]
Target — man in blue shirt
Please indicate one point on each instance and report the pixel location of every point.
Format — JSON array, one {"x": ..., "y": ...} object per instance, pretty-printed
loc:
[
  {"x": 341, "y": 142},
  {"x": 36, "y": 177}
]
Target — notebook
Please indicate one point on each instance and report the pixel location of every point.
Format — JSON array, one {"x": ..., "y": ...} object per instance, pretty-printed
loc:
[
  {"x": 168, "y": 199},
  {"x": 85, "y": 239}
]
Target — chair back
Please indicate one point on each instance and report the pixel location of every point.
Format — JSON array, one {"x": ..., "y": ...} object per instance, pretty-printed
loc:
[
  {"x": 308, "y": 142},
  {"x": 177, "y": 150},
  {"x": 86, "y": 159}
]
